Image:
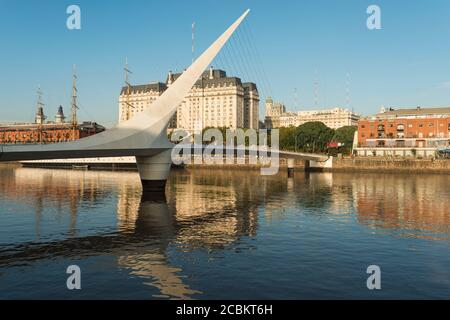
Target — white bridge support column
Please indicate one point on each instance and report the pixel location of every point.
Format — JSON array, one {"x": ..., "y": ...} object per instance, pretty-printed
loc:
[
  {"x": 311, "y": 165},
  {"x": 154, "y": 171},
  {"x": 290, "y": 167}
]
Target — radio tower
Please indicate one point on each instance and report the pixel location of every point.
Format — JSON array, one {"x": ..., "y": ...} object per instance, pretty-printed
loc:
[
  {"x": 193, "y": 40},
  {"x": 296, "y": 103},
  {"x": 316, "y": 89},
  {"x": 74, "y": 106},
  {"x": 347, "y": 90},
  {"x": 128, "y": 92}
]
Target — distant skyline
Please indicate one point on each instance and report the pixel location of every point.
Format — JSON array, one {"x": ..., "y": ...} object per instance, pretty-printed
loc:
[{"x": 405, "y": 64}]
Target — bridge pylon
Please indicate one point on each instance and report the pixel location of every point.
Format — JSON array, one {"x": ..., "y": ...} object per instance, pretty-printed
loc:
[{"x": 154, "y": 171}]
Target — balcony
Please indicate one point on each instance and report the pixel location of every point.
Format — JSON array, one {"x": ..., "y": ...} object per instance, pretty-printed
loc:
[{"x": 405, "y": 143}]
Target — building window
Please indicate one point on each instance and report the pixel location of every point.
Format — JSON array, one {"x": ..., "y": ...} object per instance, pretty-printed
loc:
[{"x": 400, "y": 143}]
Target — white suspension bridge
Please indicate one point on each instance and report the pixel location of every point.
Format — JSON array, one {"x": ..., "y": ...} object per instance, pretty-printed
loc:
[{"x": 144, "y": 136}]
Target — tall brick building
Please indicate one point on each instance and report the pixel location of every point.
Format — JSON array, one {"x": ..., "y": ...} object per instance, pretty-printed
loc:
[{"x": 47, "y": 132}]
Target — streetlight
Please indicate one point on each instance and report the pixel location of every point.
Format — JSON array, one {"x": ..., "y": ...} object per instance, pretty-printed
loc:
[{"x": 295, "y": 146}]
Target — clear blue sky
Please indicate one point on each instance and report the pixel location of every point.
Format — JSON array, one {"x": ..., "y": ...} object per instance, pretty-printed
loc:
[{"x": 407, "y": 63}]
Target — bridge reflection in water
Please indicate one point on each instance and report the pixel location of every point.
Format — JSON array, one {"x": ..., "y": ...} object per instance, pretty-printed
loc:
[
  {"x": 146, "y": 224},
  {"x": 86, "y": 213}
]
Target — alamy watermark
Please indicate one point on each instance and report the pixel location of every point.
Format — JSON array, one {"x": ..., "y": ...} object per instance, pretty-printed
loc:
[
  {"x": 73, "y": 21},
  {"x": 374, "y": 280},
  {"x": 74, "y": 280},
  {"x": 374, "y": 20},
  {"x": 213, "y": 146}
]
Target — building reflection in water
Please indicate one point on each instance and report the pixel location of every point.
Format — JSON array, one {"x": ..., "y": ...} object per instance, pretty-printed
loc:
[
  {"x": 64, "y": 190},
  {"x": 410, "y": 203},
  {"x": 192, "y": 216},
  {"x": 210, "y": 210},
  {"x": 213, "y": 208}
]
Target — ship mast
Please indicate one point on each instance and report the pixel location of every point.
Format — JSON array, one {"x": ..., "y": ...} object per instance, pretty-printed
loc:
[
  {"x": 128, "y": 90},
  {"x": 40, "y": 113},
  {"x": 40, "y": 104},
  {"x": 74, "y": 106}
]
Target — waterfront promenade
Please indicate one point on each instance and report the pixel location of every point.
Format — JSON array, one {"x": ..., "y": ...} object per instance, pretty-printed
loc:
[{"x": 345, "y": 164}]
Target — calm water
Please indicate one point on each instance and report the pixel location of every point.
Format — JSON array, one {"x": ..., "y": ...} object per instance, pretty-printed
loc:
[{"x": 223, "y": 235}]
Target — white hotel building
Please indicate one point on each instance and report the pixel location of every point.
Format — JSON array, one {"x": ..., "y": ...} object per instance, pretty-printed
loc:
[
  {"x": 216, "y": 100},
  {"x": 333, "y": 118}
]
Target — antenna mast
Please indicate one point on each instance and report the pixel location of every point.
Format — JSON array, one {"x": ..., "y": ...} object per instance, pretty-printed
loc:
[
  {"x": 74, "y": 107},
  {"x": 348, "y": 90},
  {"x": 193, "y": 40},
  {"x": 316, "y": 89},
  {"x": 296, "y": 103},
  {"x": 128, "y": 92}
]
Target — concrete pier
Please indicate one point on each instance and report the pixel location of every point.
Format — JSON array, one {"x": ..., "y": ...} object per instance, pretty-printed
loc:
[
  {"x": 311, "y": 165},
  {"x": 154, "y": 171},
  {"x": 290, "y": 167}
]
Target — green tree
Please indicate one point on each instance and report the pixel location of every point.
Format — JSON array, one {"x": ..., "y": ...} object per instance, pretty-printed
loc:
[
  {"x": 345, "y": 135},
  {"x": 313, "y": 137},
  {"x": 287, "y": 138}
]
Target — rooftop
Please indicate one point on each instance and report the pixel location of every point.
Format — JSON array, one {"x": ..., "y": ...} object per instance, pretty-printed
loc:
[
  {"x": 50, "y": 125},
  {"x": 208, "y": 77},
  {"x": 143, "y": 88},
  {"x": 419, "y": 111}
]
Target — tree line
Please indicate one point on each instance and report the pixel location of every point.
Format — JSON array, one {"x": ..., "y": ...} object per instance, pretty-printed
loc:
[
  {"x": 315, "y": 137},
  {"x": 311, "y": 137}
]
